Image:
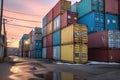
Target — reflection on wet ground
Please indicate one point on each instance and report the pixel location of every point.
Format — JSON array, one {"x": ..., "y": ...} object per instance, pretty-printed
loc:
[{"x": 26, "y": 70}]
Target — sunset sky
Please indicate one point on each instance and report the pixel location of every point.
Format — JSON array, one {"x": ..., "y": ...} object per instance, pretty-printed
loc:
[{"x": 34, "y": 10}]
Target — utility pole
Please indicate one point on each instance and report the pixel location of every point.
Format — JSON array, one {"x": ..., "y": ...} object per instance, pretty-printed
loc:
[
  {"x": 1, "y": 15},
  {"x": 5, "y": 38}
]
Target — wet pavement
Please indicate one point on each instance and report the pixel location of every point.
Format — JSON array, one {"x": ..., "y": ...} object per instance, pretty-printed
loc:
[{"x": 30, "y": 69}]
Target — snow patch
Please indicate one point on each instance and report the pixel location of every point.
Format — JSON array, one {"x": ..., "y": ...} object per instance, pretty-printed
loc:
[{"x": 95, "y": 62}]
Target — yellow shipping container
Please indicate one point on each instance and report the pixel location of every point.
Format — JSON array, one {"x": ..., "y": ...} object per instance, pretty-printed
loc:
[
  {"x": 49, "y": 28},
  {"x": 74, "y": 53},
  {"x": 26, "y": 44},
  {"x": 74, "y": 33},
  {"x": 65, "y": 5}
]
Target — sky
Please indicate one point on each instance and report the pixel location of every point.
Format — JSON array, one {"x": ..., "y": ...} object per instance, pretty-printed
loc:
[{"x": 30, "y": 10}]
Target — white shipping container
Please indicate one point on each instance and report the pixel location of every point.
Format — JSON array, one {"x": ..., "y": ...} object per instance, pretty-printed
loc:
[
  {"x": 56, "y": 52},
  {"x": 56, "y": 23}
]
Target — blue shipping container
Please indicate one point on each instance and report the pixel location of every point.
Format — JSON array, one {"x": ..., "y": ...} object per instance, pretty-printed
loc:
[
  {"x": 38, "y": 44},
  {"x": 86, "y": 6},
  {"x": 56, "y": 38},
  {"x": 74, "y": 7},
  {"x": 56, "y": 75},
  {"x": 37, "y": 53},
  {"x": 56, "y": 53},
  {"x": 94, "y": 21},
  {"x": 111, "y": 22},
  {"x": 44, "y": 53},
  {"x": 44, "y": 23}
]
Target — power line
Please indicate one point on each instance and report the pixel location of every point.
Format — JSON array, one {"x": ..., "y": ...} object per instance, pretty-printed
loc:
[
  {"x": 20, "y": 13},
  {"x": 20, "y": 25},
  {"x": 22, "y": 19}
]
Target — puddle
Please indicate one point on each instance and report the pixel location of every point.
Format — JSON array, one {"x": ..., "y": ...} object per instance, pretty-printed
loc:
[{"x": 57, "y": 76}]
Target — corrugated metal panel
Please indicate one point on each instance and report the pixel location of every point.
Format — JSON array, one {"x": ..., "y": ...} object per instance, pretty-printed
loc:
[
  {"x": 111, "y": 22},
  {"x": 56, "y": 38},
  {"x": 49, "y": 53},
  {"x": 38, "y": 44},
  {"x": 38, "y": 53},
  {"x": 44, "y": 53},
  {"x": 68, "y": 18},
  {"x": 111, "y": 6},
  {"x": 50, "y": 16},
  {"x": 61, "y": 7},
  {"x": 49, "y": 27},
  {"x": 45, "y": 19},
  {"x": 104, "y": 55},
  {"x": 44, "y": 31},
  {"x": 38, "y": 36},
  {"x": 94, "y": 25},
  {"x": 56, "y": 52},
  {"x": 104, "y": 39},
  {"x": 44, "y": 42},
  {"x": 74, "y": 53},
  {"x": 74, "y": 33},
  {"x": 49, "y": 40},
  {"x": 56, "y": 23},
  {"x": 86, "y": 6},
  {"x": 67, "y": 76},
  {"x": 74, "y": 7}
]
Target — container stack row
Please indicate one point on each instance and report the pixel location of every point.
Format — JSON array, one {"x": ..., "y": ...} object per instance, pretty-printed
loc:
[
  {"x": 102, "y": 19},
  {"x": 59, "y": 29},
  {"x": 31, "y": 44}
]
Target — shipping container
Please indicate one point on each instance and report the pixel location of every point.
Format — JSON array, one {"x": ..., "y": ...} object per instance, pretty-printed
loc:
[
  {"x": 111, "y": 6},
  {"x": 56, "y": 52},
  {"x": 49, "y": 28},
  {"x": 104, "y": 39},
  {"x": 31, "y": 46},
  {"x": 38, "y": 30},
  {"x": 44, "y": 41},
  {"x": 45, "y": 20},
  {"x": 25, "y": 53},
  {"x": 67, "y": 76},
  {"x": 44, "y": 31},
  {"x": 50, "y": 16},
  {"x": 74, "y": 7},
  {"x": 94, "y": 25},
  {"x": 104, "y": 55},
  {"x": 61, "y": 7},
  {"x": 26, "y": 44},
  {"x": 1, "y": 48},
  {"x": 37, "y": 44},
  {"x": 44, "y": 53},
  {"x": 31, "y": 54},
  {"x": 56, "y": 38},
  {"x": 74, "y": 53},
  {"x": 38, "y": 36},
  {"x": 68, "y": 18},
  {"x": 49, "y": 52},
  {"x": 38, "y": 53},
  {"x": 111, "y": 22},
  {"x": 49, "y": 40},
  {"x": 87, "y": 6},
  {"x": 74, "y": 33},
  {"x": 57, "y": 23},
  {"x": 49, "y": 76}
]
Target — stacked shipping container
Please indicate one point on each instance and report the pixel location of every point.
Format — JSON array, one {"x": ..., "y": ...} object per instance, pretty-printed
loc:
[
  {"x": 104, "y": 16},
  {"x": 35, "y": 47}
]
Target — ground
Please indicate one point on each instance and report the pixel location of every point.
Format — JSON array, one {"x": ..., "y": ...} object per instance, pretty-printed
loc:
[{"x": 38, "y": 69}]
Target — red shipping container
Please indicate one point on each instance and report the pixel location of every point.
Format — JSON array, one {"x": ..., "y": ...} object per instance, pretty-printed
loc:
[
  {"x": 111, "y": 6},
  {"x": 49, "y": 53},
  {"x": 61, "y": 7},
  {"x": 49, "y": 40},
  {"x": 69, "y": 18},
  {"x": 104, "y": 55},
  {"x": 49, "y": 76},
  {"x": 98, "y": 40},
  {"x": 50, "y": 16}
]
